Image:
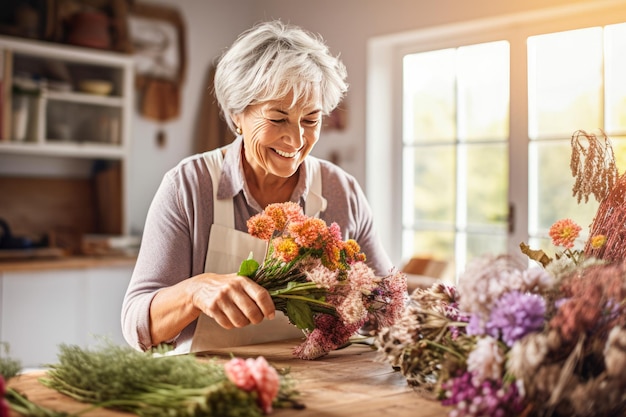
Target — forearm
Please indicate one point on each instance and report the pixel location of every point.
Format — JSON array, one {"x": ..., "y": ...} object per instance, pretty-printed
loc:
[{"x": 171, "y": 310}]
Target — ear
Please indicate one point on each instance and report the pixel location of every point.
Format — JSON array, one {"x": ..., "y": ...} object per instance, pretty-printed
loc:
[{"x": 237, "y": 119}]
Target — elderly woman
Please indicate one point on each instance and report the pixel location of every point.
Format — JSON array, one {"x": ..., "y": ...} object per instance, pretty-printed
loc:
[{"x": 274, "y": 85}]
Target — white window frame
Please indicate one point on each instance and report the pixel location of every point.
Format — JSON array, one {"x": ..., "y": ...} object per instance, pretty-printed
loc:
[{"x": 384, "y": 104}]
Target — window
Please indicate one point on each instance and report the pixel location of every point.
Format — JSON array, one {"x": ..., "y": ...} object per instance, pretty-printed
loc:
[
  {"x": 479, "y": 120},
  {"x": 572, "y": 84},
  {"x": 455, "y": 151}
]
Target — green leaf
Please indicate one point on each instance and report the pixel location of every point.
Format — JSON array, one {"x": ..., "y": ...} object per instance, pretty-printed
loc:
[
  {"x": 248, "y": 267},
  {"x": 300, "y": 314}
]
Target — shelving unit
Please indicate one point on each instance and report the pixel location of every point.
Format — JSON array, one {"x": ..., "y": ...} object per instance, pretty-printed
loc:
[{"x": 66, "y": 127}]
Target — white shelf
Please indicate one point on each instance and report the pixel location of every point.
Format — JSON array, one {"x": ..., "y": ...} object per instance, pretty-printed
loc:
[
  {"x": 57, "y": 148},
  {"x": 84, "y": 98},
  {"x": 70, "y": 135},
  {"x": 87, "y": 121}
]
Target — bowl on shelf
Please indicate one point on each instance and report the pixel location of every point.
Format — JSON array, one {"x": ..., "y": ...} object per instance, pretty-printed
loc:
[{"x": 99, "y": 87}]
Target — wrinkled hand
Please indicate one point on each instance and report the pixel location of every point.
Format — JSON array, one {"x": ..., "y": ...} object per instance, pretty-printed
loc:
[{"x": 232, "y": 300}]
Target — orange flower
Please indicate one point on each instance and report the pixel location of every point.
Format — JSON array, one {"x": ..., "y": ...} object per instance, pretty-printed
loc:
[
  {"x": 286, "y": 248},
  {"x": 564, "y": 232},
  {"x": 353, "y": 251},
  {"x": 284, "y": 213},
  {"x": 277, "y": 214},
  {"x": 332, "y": 258},
  {"x": 261, "y": 226},
  {"x": 598, "y": 241},
  {"x": 309, "y": 233}
]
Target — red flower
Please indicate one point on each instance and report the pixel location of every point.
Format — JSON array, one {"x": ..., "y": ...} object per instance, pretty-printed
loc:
[{"x": 4, "y": 406}]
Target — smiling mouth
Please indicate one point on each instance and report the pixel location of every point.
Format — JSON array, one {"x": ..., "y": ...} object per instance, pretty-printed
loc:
[{"x": 285, "y": 154}]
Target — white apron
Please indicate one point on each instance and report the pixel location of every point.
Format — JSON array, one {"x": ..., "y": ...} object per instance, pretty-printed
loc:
[{"x": 228, "y": 247}]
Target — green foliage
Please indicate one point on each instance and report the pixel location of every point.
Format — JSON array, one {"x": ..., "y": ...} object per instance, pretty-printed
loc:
[
  {"x": 147, "y": 384},
  {"x": 300, "y": 314},
  {"x": 248, "y": 267},
  {"x": 9, "y": 367}
]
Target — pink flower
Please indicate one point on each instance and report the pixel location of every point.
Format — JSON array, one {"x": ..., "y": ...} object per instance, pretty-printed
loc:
[
  {"x": 238, "y": 372},
  {"x": 486, "y": 361},
  {"x": 390, "y": 298},
  {"x": 329, "y": 334},
  {"x": 352, "y": 309},
  {"x": 255, "y": 375},
  {"x": 362, "y": 278},
  {"x": 267, "y": 382},
  {"x": 564, "y": 232},
  {"x": 320, "y": 275}
]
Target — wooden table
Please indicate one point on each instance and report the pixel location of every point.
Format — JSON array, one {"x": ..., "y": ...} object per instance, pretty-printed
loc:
[{"x": 347, "y": 382}]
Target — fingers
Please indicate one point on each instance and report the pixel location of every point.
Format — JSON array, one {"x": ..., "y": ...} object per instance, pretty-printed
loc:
[
  {"x": 262, "y": 299},
  {"x": 233, "y": 301}
]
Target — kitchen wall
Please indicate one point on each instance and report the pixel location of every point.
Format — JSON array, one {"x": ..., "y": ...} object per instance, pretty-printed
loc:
[{"x": 345, "y": 24}]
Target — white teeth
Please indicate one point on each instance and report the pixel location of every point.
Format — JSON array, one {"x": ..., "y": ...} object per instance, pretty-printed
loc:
[{"x": 285, "y": 154}]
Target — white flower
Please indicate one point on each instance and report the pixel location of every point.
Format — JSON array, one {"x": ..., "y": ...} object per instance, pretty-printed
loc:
[
  {"x": 527, "y": 354},
  {"x": 486, "y": 360}
]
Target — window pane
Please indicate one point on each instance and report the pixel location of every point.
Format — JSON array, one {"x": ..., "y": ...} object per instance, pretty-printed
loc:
[
  {"x": 550, "y": 191},
  {"x": 487, "y": 171},
  {"x": 481, "y": 244},
  {"x": 483, "y": 83},
  {"x": 615, "y": 46},
  {"x": 429, "y": 185},
  {"x": 619, "y": 149},
  {"x": 428, "y": 95},
  {"x": 436, "y": 244},
  {"x": 564, "y": 82}
]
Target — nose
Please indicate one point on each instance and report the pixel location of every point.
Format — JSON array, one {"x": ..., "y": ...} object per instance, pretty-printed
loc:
[{"x": 295, "y": 135}]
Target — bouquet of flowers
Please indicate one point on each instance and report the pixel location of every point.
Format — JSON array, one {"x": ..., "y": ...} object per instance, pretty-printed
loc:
[
  {"x": 319, "y": 281},
  {"x": 513, "y": 340},
  {"x": 152, "y": 384}
]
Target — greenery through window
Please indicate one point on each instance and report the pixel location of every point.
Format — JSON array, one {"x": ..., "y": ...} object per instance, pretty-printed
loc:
[{"x": 457, "y": 137}]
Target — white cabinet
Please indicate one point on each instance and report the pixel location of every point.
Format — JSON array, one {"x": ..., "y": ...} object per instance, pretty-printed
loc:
[
  {"x": 39, "y": 310},
  {"x": 55, "y": 114}
]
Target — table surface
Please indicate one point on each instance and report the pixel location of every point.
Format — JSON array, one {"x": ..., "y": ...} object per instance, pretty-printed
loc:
[{"x": 346, "y": 382}]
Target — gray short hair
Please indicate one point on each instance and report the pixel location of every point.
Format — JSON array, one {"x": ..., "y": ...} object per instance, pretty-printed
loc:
[{"x": 271, "y": 59}]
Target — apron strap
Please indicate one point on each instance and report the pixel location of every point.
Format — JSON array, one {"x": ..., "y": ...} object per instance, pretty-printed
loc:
[
  {"x": 222, "y": 209},
  {"x": 315, "y": 202}
]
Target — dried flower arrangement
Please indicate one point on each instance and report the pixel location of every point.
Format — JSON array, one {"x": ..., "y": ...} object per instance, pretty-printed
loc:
[
  {"x": 319, "y": 281},
  {"x": 510, "y": 340}
]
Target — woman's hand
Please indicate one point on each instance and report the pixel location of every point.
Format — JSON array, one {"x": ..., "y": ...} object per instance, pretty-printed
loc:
[{"x": 232, "y": 300}]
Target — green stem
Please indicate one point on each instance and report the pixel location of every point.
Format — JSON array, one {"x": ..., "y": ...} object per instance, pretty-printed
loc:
[
  {"x": 301, "y": 298},
  {"x": 297, "y": 288},
  {"x": 442, "y": 347}
]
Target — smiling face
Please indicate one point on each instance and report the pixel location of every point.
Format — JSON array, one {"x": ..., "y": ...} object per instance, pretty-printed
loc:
[{"x": 279, "y": 134}]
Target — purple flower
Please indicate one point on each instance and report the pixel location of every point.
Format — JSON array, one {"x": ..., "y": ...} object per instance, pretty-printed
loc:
[
  {"x": 489, "y": 398},
  {"x": 515, "y": 315},
  {"x": 476, "y": 325}
]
